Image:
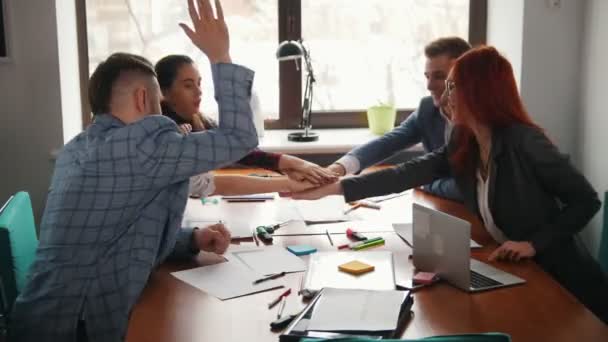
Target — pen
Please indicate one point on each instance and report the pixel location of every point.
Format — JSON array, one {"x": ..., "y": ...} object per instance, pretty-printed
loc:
[
  {"x": 281, "y": 307},
  {"x": 276, "y": 301},
  {"x": 369, "y": 205},
  {"x": 329, "y": 237},
  {"x": 369, "y": 244},
  {"x": 301, "y": 284},
  {"x": 270, "y": 277},
  {"x": 245, "y": 200},
  {"x": 357, "y": 205},
  {"x": 360, "y": 243}
]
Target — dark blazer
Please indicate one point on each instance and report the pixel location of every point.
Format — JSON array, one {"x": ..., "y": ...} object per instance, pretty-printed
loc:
[{"x": 535, "y": 194}]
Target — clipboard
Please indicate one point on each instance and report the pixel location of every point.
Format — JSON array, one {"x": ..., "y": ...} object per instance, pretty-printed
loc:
[{"x": 298, "y": 327}]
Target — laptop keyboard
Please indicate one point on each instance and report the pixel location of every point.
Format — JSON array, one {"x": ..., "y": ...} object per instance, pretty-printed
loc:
[{"x": 479, "y": 281}]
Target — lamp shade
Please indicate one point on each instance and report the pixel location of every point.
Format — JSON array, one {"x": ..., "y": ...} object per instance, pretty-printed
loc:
[{"x": 289, "y": 50}]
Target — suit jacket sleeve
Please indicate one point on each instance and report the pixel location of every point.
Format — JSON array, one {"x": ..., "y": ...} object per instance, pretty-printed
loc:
[
  {"x": 416, "y": 172},
  {"x": 557, "y": 175},
  {"x": 402, "y": 137}
]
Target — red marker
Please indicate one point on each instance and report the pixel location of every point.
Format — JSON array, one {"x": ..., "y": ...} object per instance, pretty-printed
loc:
[
  {"x": 355, "y": 235},
  {"x": 343, "y": 246},
  {"x": 276, "y": 301}
]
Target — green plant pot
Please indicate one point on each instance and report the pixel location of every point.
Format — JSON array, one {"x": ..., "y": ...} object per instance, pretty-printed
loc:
[{"x": 381, "y": 119}]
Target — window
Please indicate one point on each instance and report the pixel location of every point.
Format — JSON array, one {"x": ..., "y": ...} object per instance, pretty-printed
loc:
[
  {"x": 362, "y": 51},
  {"x": 150, "y": 28}
]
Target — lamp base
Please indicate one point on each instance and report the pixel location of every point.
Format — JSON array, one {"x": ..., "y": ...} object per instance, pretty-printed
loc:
[{"x": 303, "y": 137}]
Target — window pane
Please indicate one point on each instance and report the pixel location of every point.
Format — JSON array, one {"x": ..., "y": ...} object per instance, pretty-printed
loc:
[
  {"x": 373, "y": 50},
  {"x": 149, "y": 28}
]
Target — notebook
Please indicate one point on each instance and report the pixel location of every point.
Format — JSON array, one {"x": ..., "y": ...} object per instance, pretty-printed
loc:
[{"x": 342, "y": 313}]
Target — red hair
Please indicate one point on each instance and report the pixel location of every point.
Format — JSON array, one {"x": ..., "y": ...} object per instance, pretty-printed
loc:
[{"x": 486, "y": 93}]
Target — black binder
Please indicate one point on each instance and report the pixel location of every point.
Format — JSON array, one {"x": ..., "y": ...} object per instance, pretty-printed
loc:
[{"x": 298, "y": 327}]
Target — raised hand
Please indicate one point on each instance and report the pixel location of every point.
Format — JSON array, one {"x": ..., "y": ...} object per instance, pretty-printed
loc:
[{"x": 208, "y": 33}]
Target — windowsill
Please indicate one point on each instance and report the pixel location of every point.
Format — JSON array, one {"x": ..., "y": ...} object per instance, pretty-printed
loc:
[{"x": 338, "y": 140}]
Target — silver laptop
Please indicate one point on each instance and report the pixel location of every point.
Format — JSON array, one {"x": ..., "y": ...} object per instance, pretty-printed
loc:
[{"x": 441, "y": 244}]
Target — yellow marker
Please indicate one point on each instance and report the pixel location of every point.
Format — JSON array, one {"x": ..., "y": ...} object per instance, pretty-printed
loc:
[{"x": 356, "y": 267}]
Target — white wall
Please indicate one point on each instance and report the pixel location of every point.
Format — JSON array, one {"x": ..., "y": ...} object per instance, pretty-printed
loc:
[
  {"x": 543, "y": 44},
  {"x": 505, "y": 31},
  {"x": 593, "y": 119},
  {"x": 550, "y": 84},
  {"x": 69, "y": 71},
  {"x": 30, "y": 102}
]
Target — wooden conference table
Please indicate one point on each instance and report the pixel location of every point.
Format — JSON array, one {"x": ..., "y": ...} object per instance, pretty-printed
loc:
[{"x": 540, "y": 310}]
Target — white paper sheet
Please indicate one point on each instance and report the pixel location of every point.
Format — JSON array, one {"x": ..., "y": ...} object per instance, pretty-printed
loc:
[
  {"x": 323, "y": 271},
  {"x": 357, "y": 310},
  {"x": 225, "y": 280},
  {"x": 380, "y": 199},
  {"x": 267, "y": 260},
  {"x": 330, "y": 208},
  {"x": 363, "y": 227},
  {"x": 405, "y": 231}
]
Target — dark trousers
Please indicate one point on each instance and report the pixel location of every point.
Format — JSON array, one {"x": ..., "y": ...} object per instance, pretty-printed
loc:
[
  {"x": 81, "y": 332},
  {"x": 576, "y": 270}
]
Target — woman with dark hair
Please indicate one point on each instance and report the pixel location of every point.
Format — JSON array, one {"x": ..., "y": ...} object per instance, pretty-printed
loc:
[
  {"x": 180, "y": 83},
  {"x": 531, "y": 199}
]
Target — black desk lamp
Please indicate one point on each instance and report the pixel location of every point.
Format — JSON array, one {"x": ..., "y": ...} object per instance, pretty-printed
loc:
[{"x": 294, "y": 50}]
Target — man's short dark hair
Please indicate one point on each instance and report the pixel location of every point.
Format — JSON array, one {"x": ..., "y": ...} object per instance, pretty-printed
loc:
[
  {"x": 106, "y": 74},
  {"x": 452, "y": 47}
]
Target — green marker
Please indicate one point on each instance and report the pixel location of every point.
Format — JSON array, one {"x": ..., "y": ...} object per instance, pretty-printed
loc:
[
  {"x": 360, "y": 243},
  {"x": 369, "y": 244}
]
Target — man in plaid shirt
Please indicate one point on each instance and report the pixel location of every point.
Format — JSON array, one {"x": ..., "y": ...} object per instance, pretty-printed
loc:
[{"x": 119, "y": 191}]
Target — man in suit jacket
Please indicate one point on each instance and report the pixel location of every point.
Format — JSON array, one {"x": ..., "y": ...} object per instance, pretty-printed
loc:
[
  {"x": 118, "y": 194},
  {"x": 428, "y": 124}
]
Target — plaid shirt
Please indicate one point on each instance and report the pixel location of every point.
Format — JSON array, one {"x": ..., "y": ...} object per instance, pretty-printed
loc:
[{"x": 113, "y": 213}]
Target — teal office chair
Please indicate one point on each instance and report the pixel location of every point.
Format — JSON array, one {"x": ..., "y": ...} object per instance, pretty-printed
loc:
[
  {"x": 18, "y": 243},
  {"x": 604, "y": 240},
  {"x": 483, "y": 337}
]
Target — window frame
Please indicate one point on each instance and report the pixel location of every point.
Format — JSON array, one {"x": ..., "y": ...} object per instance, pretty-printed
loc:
[{"x": 290, "y": 84}]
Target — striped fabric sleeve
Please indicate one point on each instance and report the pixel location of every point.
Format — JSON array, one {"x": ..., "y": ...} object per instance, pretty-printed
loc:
[
  {"x": 167, "y": 157},
  {"x": 183, "y": 249}
]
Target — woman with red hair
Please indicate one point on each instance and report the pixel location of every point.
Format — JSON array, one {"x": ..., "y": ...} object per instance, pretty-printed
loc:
[{"x": 531, "y": 199}]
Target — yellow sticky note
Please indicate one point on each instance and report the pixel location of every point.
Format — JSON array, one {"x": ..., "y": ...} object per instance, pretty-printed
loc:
[{"x": 356, "y": 267}]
